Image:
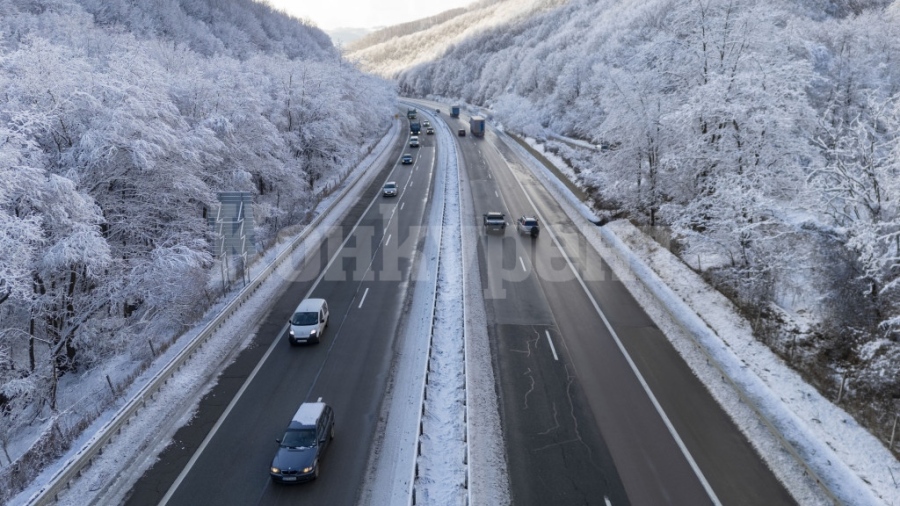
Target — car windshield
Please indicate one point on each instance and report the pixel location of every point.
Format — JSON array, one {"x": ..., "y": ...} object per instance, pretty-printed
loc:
[
  {"x": 530, "y": 223},
  {"x": 390, "y": 186},
  {"x": 305, "y": 319},
  {"x": 302, "y": 438}
]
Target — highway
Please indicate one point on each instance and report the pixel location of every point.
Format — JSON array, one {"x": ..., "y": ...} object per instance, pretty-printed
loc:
[
  {"x": 596, "y": 405},
  {"x": 223, "y": 455}
]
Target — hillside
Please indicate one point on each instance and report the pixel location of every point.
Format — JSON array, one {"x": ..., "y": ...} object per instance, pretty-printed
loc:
[
  {"x": 120, "y": 122},
  {"x": 390, "y": 50},
  {"x": 760, "y": 143}
]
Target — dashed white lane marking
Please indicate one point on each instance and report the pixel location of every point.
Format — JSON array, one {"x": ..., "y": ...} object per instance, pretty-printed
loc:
[
  {"x": 363, "y": 299},
  {"x": 555, "y": 357}
]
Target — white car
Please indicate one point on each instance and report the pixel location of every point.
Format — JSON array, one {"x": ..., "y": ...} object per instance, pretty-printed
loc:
[
  {"x": 308, "y": 321},
  {"x": 414, "y": 141}
]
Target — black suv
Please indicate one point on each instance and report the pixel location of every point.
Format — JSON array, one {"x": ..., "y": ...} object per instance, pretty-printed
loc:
[{"x": 303, "y": 444}]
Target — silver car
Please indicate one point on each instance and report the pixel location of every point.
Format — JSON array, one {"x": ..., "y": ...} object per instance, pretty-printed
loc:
[
  {"x": 528, "y": 225},
  {"x": 389, "y": 189}
]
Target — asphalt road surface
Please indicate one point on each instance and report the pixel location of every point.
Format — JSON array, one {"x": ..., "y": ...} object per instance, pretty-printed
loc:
[
  {"x": 365, "y": 286},
  {"x": 596, "y": 405}
]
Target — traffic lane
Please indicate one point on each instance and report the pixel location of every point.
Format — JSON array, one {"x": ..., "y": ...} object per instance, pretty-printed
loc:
[
  {"x": 332, "y": 295},
  {"x": 726, "y": 457},
  {"x": 157, "y": 480},
  {"x": 271, "y": 400},
  {"x": 503, "y": 264},
  {"x": 556, "y": 455},
  {"x": 708, "y": 433},
  {"x": 650, "y": 463},
  {"x": 727, "y": 460},
  {"x": 352, "y": 380},
  {"x": 503, "y": 260},
  {"x": 359, "y": 357},
  {"x": 655, "y": 459}
]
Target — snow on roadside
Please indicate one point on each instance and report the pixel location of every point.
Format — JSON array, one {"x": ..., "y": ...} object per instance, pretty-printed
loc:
[
  {"x": 442, "y": 464},
  {"x": 132, "y": 452},
  {"x": 488, "y": 472},
  {"x": 852, "y": 462}
]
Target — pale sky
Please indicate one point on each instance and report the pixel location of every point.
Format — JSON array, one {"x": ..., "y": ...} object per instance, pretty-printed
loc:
[{"x": 330, "y": 14}]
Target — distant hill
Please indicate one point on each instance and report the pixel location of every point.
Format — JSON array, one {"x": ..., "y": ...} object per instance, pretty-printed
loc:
[
  {"x": 383, "y": 35},
  {"x": 388, "y": 51},
  {"x": 341, "y": 37}
]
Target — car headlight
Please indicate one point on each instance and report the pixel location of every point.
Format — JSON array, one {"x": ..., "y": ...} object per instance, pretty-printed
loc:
[
  {"x": 312, "y": 333},
  {"x": 275, "y": 470},
  {"x": 291, "y": 332},
  {"x": 309, "y": 469}
]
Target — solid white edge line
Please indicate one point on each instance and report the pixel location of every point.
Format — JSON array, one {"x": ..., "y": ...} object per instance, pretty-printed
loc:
[
  {"x": 363, "y": 299},
  {"x": 552, "y": 348},
  {"x": 187, "y": 468},
  {"x": 668, "y": 423}
]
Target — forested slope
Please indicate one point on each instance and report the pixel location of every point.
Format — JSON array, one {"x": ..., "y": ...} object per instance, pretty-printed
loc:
[
  {"x": 393, "y": 49},
  {"x": 759, "y": 140},
  {"x": 119, "y": 123}
]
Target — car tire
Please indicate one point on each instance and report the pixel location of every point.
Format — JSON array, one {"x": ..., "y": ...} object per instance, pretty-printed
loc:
[
  {"x": 331, "y": 436},
  {"x": 316, "y": 472}
]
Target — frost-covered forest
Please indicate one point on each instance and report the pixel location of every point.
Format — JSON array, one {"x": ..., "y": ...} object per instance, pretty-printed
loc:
[
  {"x": 759, "y": 140},
  {"x": 119, "y": 123},
  {"x": 391, "y": 50}
]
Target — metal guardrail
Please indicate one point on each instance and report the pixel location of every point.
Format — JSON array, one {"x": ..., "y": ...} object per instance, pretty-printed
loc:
[
  {"x": 690, "y": 330},
  {"x": 84, "y": 458},
  {"x": 422, "y": 398}
]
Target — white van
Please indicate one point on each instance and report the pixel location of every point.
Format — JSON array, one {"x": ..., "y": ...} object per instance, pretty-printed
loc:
[{"x": 308, "y": 322}]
